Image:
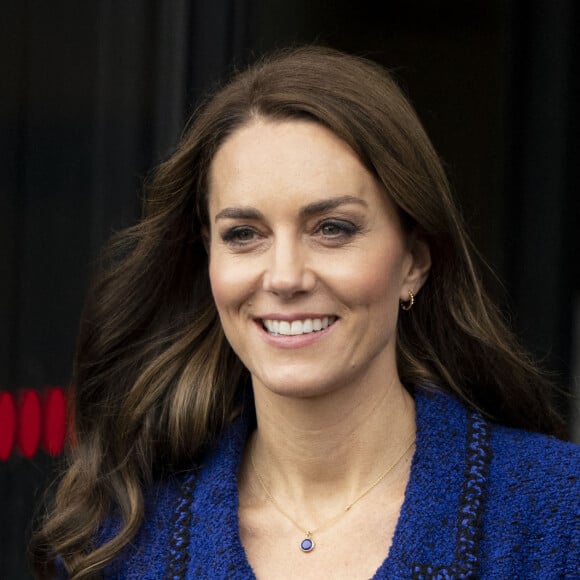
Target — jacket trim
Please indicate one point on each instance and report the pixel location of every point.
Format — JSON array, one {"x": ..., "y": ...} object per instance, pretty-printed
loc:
[
  {"x": 470, "y": 507},
  {"x": 181, "y": 526}
]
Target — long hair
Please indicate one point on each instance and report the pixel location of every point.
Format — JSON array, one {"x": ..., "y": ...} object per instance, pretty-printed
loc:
[{"x": 156, "y": 380}]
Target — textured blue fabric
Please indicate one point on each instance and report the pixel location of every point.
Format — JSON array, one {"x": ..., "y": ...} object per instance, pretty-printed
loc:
[{"x": 483, "y": 501}]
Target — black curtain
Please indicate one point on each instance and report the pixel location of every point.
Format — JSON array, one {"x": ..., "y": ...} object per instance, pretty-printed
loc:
[
  {"x": 541, "y": 167},
  {"x": 95, "y": 93}
]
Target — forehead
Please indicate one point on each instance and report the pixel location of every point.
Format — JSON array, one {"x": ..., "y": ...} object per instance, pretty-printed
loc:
[
  {"x": 260, "y": 131},
  {"x": 286, "y": 158}
]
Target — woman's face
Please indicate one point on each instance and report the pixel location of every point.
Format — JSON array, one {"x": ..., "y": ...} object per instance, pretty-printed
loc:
[{"x": 308, "y": 259}]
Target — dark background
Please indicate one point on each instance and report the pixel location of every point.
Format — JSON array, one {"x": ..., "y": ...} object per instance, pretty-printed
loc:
[{"x": 93, "y": 94}]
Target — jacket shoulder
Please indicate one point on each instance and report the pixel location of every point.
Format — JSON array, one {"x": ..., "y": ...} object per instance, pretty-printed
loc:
[
  {"x": 165, "y": 515},
  {"x": 532, "y": 516},
  {"x": 541, "y": 457}
]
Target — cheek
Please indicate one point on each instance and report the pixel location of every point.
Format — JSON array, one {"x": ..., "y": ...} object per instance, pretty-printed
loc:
[
  {"x": 379, "y": 295},
  {"x": 230, "y": 283},
  {"x": 373, "y": 281},
  {"x": 221, "y": 286}
]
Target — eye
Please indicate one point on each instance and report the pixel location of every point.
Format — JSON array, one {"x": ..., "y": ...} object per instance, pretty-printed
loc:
[
  {"x": 239, "y": 235},
  {"x": 337, "y": 228}
]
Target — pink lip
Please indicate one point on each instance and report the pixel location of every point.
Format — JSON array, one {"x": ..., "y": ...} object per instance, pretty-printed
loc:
[
  {"x": 290, "y": 317},
  {"x": 297, "y": 341}
]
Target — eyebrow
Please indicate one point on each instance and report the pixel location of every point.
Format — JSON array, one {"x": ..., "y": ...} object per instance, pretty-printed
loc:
[
  {"x": 323, "y": 205},
  {"x": 245, "y": 213},
  {"x": 316, "y": 207}
]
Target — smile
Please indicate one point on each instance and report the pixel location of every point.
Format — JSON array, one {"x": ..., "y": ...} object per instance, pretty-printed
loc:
[{"x": 296, "y": 327}]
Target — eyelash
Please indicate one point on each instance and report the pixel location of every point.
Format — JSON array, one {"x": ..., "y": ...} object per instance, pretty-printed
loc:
[
  {"x": 346, "y": 230},
  {"x": 233, "y": 235}
]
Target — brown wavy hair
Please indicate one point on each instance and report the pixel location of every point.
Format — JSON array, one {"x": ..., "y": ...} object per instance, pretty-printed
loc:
[{"x": 156, "y": 380}]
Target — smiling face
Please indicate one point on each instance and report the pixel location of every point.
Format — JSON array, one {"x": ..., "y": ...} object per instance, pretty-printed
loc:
[{"x": 308, "y": 259}]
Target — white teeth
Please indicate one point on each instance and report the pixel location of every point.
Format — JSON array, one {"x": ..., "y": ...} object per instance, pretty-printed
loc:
[{"x": 296, "y": 327}]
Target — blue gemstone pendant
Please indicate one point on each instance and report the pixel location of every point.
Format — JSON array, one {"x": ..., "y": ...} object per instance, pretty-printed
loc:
[{"x": 307, "y": 544}]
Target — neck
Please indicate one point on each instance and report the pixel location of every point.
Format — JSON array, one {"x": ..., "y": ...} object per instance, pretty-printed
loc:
[{"x": 319, "y": 451}]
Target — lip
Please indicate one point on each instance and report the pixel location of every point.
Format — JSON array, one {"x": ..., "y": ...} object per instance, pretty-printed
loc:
[
  {"x": 294, "y": 341},
  {"x": 294, "y": 316}
]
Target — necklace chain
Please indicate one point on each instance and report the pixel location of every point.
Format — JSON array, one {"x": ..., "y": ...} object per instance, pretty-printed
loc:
[{"x": 330, "y": 521}]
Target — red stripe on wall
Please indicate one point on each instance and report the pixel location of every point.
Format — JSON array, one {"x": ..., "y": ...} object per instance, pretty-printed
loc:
[
  {"x": 32, "y": 420},
  {"x": 54, "y": 431},
  {"x": 29, "y": 418},
  {"x": 7, "y": 425}
]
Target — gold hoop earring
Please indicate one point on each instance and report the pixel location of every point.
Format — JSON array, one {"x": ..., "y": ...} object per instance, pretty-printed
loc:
[{"x": 406, "y": 306}]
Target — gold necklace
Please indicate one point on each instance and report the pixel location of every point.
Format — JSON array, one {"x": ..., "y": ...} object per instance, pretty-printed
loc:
[{"x": 307, "y": 544}]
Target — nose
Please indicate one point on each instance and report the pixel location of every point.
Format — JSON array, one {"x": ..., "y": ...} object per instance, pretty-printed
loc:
[{"x": 287, "y": 273}]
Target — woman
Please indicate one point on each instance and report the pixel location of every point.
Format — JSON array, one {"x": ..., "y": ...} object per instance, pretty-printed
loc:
[{"x": 289, "y": 368}]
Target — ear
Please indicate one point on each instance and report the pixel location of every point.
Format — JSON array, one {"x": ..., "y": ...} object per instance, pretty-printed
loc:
[{"x": 419, "y": 268}]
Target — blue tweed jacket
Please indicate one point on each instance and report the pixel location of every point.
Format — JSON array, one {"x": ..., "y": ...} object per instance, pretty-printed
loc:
[{"x": 483, "y": 501}]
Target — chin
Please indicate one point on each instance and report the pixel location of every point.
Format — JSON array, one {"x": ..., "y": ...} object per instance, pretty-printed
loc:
[{"x": 291, "y": 388}]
